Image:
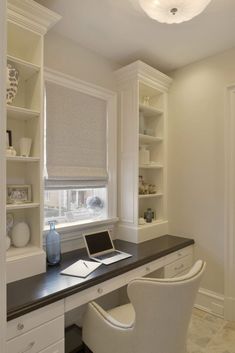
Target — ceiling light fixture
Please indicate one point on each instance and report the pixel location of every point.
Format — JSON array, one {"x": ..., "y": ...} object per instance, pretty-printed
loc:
[{"x": 173, "y": 11}]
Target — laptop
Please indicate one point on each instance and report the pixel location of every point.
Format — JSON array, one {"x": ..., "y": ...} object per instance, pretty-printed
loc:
[{"x": 100, "y": 248}]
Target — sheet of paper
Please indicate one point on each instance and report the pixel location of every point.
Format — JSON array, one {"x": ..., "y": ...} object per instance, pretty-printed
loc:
[{"x": 81, "y": 268}]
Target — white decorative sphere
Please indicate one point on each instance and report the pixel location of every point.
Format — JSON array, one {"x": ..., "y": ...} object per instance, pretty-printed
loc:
[
  {"x": 8, "y": 242},
  {"x": 20, "y": 235}
]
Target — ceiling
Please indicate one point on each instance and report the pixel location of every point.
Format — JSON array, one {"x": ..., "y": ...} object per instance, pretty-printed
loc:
[{"x": 119, "y": 31}]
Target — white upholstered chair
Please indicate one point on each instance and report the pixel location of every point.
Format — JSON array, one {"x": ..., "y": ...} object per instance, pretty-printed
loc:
[{"x": 156, "y": 320}]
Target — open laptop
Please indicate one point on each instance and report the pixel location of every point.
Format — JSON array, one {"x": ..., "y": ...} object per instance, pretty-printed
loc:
[{"x": 100, "y": 248}]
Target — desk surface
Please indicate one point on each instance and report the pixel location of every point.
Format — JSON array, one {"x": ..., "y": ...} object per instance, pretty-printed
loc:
[{"x": 34, "y": 292}]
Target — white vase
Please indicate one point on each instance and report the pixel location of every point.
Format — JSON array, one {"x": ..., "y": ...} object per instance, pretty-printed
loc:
[
  {"x": 25, "y": 146},
  {"x": 144, "y": 155},
  {"x": 20, "y": 235}
]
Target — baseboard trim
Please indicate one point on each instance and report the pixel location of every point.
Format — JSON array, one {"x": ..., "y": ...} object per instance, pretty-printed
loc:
[
  {"x": 210, "y": 301},
  {"x": 229, "y": 309}
]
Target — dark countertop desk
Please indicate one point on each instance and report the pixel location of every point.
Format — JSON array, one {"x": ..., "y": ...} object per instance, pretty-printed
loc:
[{"x": 34, "y": 292}]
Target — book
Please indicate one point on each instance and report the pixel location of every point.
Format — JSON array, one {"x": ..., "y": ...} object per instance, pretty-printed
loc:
[{"x": 81, "y": 268}]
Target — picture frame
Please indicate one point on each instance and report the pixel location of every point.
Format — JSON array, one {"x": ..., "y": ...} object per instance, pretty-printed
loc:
[{"x": 19, "y": 194}]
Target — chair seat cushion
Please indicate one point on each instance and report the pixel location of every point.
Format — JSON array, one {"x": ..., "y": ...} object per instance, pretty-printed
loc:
[{"x": 124, "y": 314}]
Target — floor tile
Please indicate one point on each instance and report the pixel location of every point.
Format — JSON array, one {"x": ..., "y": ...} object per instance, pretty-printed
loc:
[{"x": 210, "y": 334}]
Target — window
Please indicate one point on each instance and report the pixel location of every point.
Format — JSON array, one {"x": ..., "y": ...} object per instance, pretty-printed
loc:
[
  {"x": 76, "y": 206},
  {"x": 80, "y": 151}
]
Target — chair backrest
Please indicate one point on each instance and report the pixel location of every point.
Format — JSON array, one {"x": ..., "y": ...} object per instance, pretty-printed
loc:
[{"x": 163, "y": 310}]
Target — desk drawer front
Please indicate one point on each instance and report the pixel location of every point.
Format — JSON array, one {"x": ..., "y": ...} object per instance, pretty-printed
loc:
[
  {"x": 108, "y": 286},
  {"x": 58, "y": 347},
  {"x": 177, "y": 267},
  {"x": 179, "y": 254},
  {"x": 36, "y": 318},
  {"x": 38, "y": 339}
]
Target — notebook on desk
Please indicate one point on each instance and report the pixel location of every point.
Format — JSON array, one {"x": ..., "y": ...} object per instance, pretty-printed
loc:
[
  {"x": 100, "y": 248},
  {"x": 81, "y": 268}
]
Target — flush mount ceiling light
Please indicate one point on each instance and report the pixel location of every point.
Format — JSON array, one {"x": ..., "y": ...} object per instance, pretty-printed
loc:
[{"x": 173, "y": 11}]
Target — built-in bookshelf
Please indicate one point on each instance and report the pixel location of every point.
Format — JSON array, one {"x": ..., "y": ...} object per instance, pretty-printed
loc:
[
  {"x": 25, "y": 40},
  {"x": 143, "y": 122}
]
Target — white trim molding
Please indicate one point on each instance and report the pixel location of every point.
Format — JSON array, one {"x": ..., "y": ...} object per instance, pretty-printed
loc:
[
  {"x": 3, "y": 60},
  {"x": 210, "y": 301},
  {"x": 32, "y": 15},
  {"x": 151, "y": 76},
  {"x": 229, "y": 226}
]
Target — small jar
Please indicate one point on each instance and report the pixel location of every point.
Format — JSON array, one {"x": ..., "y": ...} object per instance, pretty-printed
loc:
[{"x": 149, "y": 215}]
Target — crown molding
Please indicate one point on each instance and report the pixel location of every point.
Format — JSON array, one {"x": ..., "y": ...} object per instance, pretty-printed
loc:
[
  {"x": 31, "y": 15},
  {"x": 77, "y": 84},
  {"x": 138, "y": 70}
]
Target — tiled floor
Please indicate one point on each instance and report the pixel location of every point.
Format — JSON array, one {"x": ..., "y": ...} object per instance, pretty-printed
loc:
[{"x": 210, "y": 334}]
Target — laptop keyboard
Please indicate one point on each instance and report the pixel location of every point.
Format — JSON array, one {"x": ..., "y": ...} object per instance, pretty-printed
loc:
[{"x": 106, "y": 256}]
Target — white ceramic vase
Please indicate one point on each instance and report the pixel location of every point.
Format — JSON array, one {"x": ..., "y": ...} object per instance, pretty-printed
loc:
[
  {"x": 144, "y": 155},
  {"x": 20, "y": 235},
  {"x": 25, "y": 146}
]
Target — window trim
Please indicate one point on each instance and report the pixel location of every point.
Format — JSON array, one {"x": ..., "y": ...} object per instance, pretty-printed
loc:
[
  {"x": 74, "y": 231},
  {"x": 111, "y": 137}
]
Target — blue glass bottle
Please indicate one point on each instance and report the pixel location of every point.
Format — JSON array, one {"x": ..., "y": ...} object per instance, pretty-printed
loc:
[{"x": 53, "y": 248}]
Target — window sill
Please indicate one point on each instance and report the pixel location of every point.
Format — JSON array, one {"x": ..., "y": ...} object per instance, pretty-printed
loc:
[{"x": 71, "y": 231}]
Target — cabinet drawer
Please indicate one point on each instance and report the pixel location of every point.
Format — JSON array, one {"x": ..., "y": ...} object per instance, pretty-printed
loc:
[
  {"x": 39, "y": 338},
  {"x": 58, "y": 347},
  {"x": 179, "y": 254},
  {"x": 33, "y": 319},
  {"x": 177, "y": 267}
]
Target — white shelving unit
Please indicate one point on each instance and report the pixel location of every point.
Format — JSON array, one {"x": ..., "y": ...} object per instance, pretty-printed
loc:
[
  {"x": 27, "y": 23},
  {"x": 142, "y": 121}
]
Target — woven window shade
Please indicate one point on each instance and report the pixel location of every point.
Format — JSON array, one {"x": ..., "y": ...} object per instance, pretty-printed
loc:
[{"x": 75, "y": 137}]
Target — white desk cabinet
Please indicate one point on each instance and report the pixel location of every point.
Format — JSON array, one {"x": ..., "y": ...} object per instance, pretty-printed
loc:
[
  {"x": 42, "y": 330},
  {"x": 39, "y": 331}
]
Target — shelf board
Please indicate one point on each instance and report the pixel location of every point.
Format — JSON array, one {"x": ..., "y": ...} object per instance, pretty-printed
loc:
[
  {"x": 149, "y": 110},
  {"x": 149, "y": 139},
  {"x": 21, "y": 206},
  {"x": 20, "y": 113},
  {"x": 25, "y": 68},
  {"x": 23, "y": 159},
  {"x": 152, "y": 224},
  {"x": 29, "y": 250},
  {"x": 150, "y": 166},
  {"x": 149, "y": 196}
]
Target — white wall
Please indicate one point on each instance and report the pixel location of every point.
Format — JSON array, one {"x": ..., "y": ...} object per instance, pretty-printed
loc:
[
  {"x": 196, "y": 159},
  {"x": 64, "y": 55}
]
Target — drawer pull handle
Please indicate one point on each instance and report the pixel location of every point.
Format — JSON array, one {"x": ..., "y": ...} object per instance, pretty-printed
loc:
[
  {"x": 31, "y": 344},
  {"x": 100, "y": 290},
  {"x": 147, "y": 268},
  {"x": 20, "y": 326},
  {"x": 179, "y": 267}
]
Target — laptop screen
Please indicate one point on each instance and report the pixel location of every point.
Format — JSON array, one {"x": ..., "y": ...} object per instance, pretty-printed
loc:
[{"x": 98, "y": 242}]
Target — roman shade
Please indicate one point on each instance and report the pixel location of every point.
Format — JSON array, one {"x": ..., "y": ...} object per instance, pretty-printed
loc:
[{"x": 75, "y": 138}]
